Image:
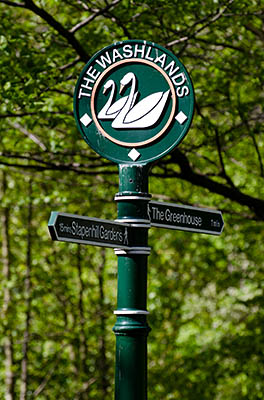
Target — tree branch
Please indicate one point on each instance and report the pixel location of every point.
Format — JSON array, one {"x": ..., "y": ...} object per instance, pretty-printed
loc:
[
  {"x": 212, "y": 19},
  {"x": 31, "y": 136},
  {"x": 221, "y": 44},
  {"x": 59, "y": 167},
  {"x": 245, "y": 121},
  {"x": 49, "y": 373},
  {"x": 187, "y": 173},
  {"x": 256, "y": 31},
  {"x": 223, "y": 172},
  {"x": 119, "y": 23},
  {"x": 258, "y": 154},
  {"x": 93, "y": 16},
  {"x": 26, "y": 114},
  {"x": 30, "y": 5},
  {"x": 11, "y": 3}
]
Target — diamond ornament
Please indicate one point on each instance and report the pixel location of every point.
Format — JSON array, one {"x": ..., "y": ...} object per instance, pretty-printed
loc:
[
  {"x": 181, "y": 117},
  {"x": 134, "y": 155},
  {"x": 86, "y": 120}
]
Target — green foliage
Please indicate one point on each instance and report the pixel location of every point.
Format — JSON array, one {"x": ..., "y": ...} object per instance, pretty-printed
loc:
[{"x": 205, "y": 294}]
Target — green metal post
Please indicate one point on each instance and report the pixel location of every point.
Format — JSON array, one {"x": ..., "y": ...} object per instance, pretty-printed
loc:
[{"x": 131, "y": 328}]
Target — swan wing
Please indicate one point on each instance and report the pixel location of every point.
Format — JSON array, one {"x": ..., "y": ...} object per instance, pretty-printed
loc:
[
  {"x": 102, "y": 114},
  {"x": 151, "y": 116},
  {"x": 119, "y": 104},
  {"x": 143, "y": 107}
]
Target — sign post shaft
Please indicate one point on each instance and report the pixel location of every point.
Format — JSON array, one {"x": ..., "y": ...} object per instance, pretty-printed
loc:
[{"x": 131, "y": 328}]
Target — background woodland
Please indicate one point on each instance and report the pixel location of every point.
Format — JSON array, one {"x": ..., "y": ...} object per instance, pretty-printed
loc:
[{"x": 205, "y": 293}]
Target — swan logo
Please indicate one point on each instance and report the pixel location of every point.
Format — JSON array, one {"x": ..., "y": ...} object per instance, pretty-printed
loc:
[
  {"x": 133, "y": 102},
  {"x": 135, "y": 114}
]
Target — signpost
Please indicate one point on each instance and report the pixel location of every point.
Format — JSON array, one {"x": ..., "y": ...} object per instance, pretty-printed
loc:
[
  {"x": 133, "y": 104},
  {"x": 85, "y": 230},
  {"x": 185, "y": 218}
]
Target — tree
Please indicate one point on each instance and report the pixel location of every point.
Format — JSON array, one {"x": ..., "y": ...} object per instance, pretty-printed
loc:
[{"x": 205, "y": 287}]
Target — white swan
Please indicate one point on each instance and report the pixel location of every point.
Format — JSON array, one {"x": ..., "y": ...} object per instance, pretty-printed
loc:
[
  {"x": 109, "y": 110},
  {"x": 145, "y": 113},
  {"x": 129, "y": 77}
]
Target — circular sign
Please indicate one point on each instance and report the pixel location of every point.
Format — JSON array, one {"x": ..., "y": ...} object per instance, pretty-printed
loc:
[{"x": 133, "y": 102}]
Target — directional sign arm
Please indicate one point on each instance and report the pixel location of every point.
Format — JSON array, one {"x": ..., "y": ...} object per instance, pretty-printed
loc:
[
  {"x": 94, "y": 231},
  {"x": 185, "y": 218}
]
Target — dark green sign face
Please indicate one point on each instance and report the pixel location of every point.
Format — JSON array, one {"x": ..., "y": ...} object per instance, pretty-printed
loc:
[{"x": 133, "y": 102}]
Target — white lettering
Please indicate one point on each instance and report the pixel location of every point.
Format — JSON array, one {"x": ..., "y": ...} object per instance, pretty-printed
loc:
[
  {"x": 167, "y": 215},
  {"x": 104, "y": 59},
  {"x": 147, "y": 56},
  {"x": 161, "y": 59},
  {"x": 182, "y": 79},
  {"x": 215, "y": 224},
  {"x": 127, "y": 51},
  {"x": 84, "y": 231},
  {"x": 138, "y": 50},
  {"x": 116, "y": 54},
  {"x": 86, "y": 85},
  {"x": 82, "y": 93},
  {"x": 73, "y": 228},
  {"x": 110, "y": 234},
  {"x": 171, "y": 66},
  {"x": 180, "y": 218},
  {"x": 157, "y": 214},
  {"x": 182, "y": 91},
  {"x": 65, "y": 228},
  {"x": 93, "y": 73}
]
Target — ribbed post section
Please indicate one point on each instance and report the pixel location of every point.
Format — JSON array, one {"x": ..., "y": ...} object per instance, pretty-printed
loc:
[{"x": 131, "y": 328}]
